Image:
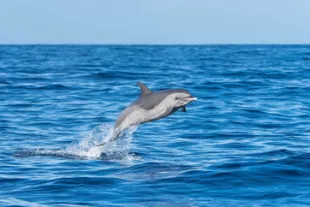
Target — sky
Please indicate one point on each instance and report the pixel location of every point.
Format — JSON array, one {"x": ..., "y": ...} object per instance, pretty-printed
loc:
[{"x": 154, "y": 21}]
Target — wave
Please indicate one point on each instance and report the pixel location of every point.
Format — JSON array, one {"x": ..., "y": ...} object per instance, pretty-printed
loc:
[
  {"x": 43, "y": 87},
  {"x": 118, "y": 75}
]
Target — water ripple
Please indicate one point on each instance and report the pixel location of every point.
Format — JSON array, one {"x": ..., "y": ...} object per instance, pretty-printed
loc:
[{"x": 245, "y": 142}]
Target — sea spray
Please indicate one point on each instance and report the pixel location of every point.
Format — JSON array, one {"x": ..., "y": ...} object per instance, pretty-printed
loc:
[{"x": 87, "y": 148}]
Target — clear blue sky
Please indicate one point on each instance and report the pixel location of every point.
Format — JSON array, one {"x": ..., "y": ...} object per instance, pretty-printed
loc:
[{"x": 154, "y": 21}]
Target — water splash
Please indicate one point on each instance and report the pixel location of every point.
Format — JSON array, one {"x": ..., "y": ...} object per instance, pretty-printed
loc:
[{"x": 88, "y": 147}]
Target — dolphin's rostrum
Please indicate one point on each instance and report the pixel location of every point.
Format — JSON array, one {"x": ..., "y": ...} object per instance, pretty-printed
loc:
[{"x": 151, "y": 106}]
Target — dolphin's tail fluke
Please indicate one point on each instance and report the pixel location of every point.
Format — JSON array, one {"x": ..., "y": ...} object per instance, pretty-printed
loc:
[
  {"x": 102, "y": 144},
  {"x": 115, "y": 135}
]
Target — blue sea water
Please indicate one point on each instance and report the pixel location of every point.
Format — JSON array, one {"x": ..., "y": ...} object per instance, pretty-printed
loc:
[{"x": 244, "y": 142}]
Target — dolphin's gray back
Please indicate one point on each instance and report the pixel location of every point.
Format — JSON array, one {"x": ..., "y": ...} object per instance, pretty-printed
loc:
[{"x": 151, "y": 101}]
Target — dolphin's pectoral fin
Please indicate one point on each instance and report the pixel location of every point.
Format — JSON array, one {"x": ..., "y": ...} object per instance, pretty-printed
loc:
[
  {"x": 144, "y": 90},
  {"x": 183, "y": 109}
]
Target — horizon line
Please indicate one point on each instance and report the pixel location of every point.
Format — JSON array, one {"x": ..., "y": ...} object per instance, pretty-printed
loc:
[{"x": 154, "y": 44}]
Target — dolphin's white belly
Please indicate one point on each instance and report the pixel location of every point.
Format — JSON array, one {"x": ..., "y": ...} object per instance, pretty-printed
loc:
[{"x": 133, "y": 118}]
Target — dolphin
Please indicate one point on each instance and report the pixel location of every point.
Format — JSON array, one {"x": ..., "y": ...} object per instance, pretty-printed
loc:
[{"x": 151, "y": 106}]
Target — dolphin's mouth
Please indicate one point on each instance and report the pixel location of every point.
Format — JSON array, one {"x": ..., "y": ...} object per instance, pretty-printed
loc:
[{"x": 190, "y": 98}]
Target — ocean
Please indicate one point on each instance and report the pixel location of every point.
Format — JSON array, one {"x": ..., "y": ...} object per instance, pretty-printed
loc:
[{"x": 244, "y": 142}]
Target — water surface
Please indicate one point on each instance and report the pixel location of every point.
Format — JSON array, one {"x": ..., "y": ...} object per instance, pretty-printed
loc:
[{"x": 245, "y": 142}]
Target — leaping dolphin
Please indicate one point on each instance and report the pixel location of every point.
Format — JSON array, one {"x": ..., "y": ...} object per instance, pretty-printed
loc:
[{"x": 151, "y": 106}]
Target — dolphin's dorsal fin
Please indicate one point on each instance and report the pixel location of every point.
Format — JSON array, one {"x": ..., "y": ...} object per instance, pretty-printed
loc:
[{"x": 144, "y": 90}]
